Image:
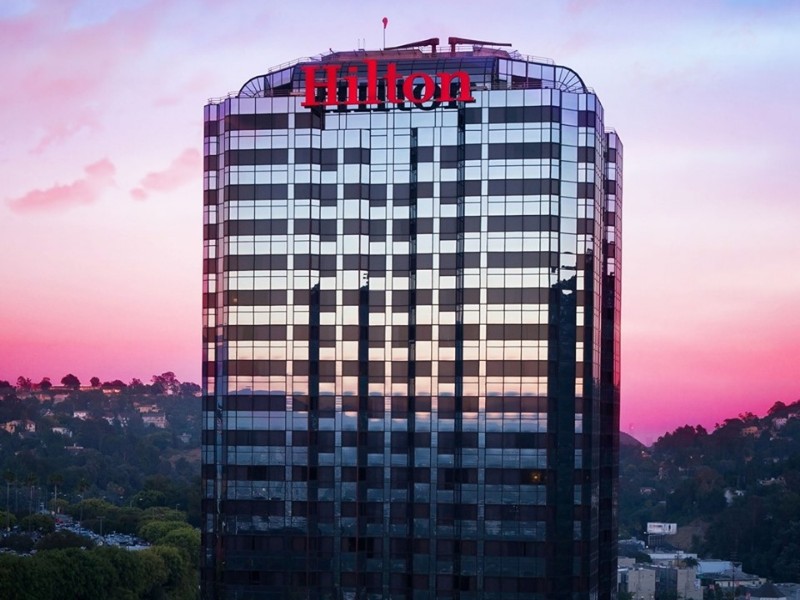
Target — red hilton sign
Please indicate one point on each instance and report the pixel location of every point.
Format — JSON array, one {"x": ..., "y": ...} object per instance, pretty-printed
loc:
[{"x": 345, "y": 90}]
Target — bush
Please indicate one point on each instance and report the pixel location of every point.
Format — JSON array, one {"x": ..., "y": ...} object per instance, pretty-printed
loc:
[
  {"x": 18, "y": 542},
  {"x": 186, "y": 539},
  {"x": 63, "y": 539},
  {"x": 162, "y": 513},
  {"x": 40, "y": 523},
  {"x": 7, "y": 519},
  {"x": 154, "y": 531}
]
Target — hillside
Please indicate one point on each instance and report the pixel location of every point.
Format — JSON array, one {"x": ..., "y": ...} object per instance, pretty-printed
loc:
[
  {"x": 734, "y": 491},
  {"x": 116, "y": 442}
]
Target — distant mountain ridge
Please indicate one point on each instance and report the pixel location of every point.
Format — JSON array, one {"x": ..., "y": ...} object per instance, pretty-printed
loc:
[{"x": 627, "y": 440}]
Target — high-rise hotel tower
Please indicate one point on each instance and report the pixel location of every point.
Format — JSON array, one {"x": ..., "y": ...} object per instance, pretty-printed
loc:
[{"x": 411, "y": 342}]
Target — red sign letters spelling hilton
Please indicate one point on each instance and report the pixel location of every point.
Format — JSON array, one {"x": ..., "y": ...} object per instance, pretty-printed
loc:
[{"x": 392, "y": 88}]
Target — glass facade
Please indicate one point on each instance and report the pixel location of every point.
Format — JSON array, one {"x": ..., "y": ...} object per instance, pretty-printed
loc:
[{"x": 411, "y": 335}]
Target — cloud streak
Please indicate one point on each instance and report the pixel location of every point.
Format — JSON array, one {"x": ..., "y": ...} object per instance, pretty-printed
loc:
[
  {"x": 87, "y": 190},
  {"x": 185, "y": 168},
  {"x": 65, "y": 69},
  {"x": 62, "y": 131}
]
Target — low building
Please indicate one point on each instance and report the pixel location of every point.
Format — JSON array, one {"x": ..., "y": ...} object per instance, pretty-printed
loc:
[
  {"x": 725, "y": 574},
  {"x": 769, "y": 481},
  {"x": 672, "y": 558},
  {"x": 639, "y": 581},
  {"x": 66, "y": 432},
  {"x": 9, "y": 426},
  {"x": 156, "y": 420},
  {"x": 730, "y": 494},
  {"x": 713, "y": 565},
  {"x": 19, "y": 426},
  {"x": 768, "y": 591},
  {"x": 790, "y": 590},
  {"x": 678, "y": 582}
]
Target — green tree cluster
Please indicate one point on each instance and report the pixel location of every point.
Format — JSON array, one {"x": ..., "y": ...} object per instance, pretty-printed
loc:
[
  {"x": 101, "y": 573},
  {"x": 75, "y": 568}
]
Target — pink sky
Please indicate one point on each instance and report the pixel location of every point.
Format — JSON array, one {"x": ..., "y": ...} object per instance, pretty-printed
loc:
[{"x": 100, "y": 162}]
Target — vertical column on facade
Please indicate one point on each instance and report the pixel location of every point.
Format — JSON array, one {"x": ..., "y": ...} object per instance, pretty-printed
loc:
[
  {"x": 610, "y": 358},
  {"x": 459, "y": 354},
  {"x": 362, "y": 428},
  {"x": 312, "y": 485},
  {"x": 363, "y": 544},
  {"x": 214, "y": 345},
  {"x": 590, "y": 206},
  {"x": 562, "y": 318},
  {"x": 412, "y": 354},
  {"x": 316, "y": 563}
]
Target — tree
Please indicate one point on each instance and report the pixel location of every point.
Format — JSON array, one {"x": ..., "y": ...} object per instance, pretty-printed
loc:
[
  {"x": 40, "y": 523},
  {"x": 73, "y": 574},
  {"x": 137, "y": 572},
  {"x": 189, "y": 389},
  {"x": 30, "y": 482},
  {"x": 186, "y": 539},
  {"x": 148, "y": 498},
  {"x": 778, "y": 407},
  {"x": 5, "y": 384},
  {"x": 7, "y": 519},
  {"x": 69, "y": 380},
  {"x": 55, "y": 479},
  {"x": 180, "y": 576},
  {"x": 63, "y": 539},
  {"x": 154, "y": 531},
  {"x": 162, "y": 513},
  {"x": 18, "y": 542},
  {"x": 24, "y": 383},
  {"x": 95, "y": 382},
  {"x": 45, "y": 384},
  {"x": 10, "y": 478},
  {"x": 82, "y": 486},
  {"x": 166, "y": 383},
  {"x": 93, "y": 508}
]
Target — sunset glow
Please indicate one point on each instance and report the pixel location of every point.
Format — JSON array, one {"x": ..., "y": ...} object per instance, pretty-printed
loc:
[{"x": 101, "y": 164}]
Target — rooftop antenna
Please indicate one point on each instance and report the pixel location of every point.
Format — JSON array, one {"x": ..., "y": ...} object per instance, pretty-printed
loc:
[
  {"x": 432, "y": 42},
  {"x": 385, "y": 23},
  {"x": 457, "y": 40}
]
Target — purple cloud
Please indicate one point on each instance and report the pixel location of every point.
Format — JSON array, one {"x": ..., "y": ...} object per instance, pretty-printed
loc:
[
  {"x": 185, "y": 168},
  {"x": 87, "y": 190}
]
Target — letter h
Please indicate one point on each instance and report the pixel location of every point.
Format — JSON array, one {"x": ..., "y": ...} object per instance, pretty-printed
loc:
[{"x": 328, "y": 84}]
